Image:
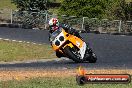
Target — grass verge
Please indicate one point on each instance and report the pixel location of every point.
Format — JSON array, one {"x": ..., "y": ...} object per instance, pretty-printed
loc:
[
  {"x": 14, "y": 51},
  {"x": 55, "y": 82}
]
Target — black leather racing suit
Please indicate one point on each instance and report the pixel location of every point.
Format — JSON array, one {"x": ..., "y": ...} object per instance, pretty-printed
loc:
[{"x": 69, "y": 30}]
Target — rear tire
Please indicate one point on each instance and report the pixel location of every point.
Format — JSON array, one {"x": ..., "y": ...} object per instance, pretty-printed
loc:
[
  {"x": 73, "y": 54},
  {"x": 93, "y": 58},
  {"x": 90, "y": 56}
]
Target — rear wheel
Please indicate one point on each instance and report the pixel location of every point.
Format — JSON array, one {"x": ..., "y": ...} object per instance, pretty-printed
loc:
[
  {"x": 90, "y": 56},
  {"x": 73, "y": 54}
]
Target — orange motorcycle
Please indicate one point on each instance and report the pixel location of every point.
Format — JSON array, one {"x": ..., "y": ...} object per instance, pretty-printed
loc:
[{"x": 67, "y": 45}]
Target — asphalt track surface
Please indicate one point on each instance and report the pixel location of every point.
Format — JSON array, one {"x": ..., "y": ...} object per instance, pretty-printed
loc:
[{"x": 113, "y": 51}]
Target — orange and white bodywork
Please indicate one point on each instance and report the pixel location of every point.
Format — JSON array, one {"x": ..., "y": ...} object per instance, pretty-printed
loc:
[{"x": 59, "y": 41}]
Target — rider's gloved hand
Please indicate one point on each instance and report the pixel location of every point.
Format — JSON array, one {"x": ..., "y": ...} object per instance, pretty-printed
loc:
[{"x": 72, "y": 31}]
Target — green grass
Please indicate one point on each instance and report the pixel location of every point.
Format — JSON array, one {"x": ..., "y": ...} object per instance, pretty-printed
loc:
[
  {"x": 5, "y": 10},
  {"x": 7, "y": 4},
  {"x": 56, "y": 83},
  {"x": 14, "y": 51}
]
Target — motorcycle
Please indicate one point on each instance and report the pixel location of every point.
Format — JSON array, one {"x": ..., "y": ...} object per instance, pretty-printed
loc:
[{"x": 72, "y": 47}]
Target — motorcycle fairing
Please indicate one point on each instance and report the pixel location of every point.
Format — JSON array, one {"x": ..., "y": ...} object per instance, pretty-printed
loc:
[
  {"x": 57, "y": 39},
  {"x": 79, "y": 43},
  {"x": 83, "y": 50},
  {"x": 73, "y": 39}
]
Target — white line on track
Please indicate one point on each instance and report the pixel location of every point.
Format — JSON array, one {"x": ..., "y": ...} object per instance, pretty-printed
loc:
[
  {"x": 28, "y": 42},
  {"x": 6, "y": 39},
  {"x": 20, "y": 41},
  {"x": 34, "y": 43},
  {"x": 14, "y": 40}
]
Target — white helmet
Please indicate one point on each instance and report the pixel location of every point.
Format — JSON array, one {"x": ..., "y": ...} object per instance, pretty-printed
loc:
[{"x": 53, "y": 24}]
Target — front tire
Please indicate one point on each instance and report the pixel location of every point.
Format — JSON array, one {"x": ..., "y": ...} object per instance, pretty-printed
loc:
[
  {"x": 59, "y": 55},
  {"x": 73, "y": 54}
]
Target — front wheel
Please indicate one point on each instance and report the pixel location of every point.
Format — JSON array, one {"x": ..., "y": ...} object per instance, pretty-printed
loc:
[
  {"x": 59, "y": 55},
  {"x": 73, "y": 54}
]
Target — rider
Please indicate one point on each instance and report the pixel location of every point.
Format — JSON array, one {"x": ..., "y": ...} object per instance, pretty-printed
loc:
[{"x": 55, "y": 25}]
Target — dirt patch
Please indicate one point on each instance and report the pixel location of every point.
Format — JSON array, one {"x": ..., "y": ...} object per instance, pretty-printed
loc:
[
  {"x": 26, "y": 74},
  {"x": 22, "y": 74}
]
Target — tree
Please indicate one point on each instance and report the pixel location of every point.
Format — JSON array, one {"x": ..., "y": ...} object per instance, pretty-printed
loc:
[
  {"x": 29, "y": 5},
  {"x": 86, "y": 8},
  {"x": 119, "y": 9},
  {"x": 124, "y": 10}
]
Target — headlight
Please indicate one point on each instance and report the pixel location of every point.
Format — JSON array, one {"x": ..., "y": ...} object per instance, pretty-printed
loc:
[
  {"x": 61, "y": 38},
  {"x": 57, "y": 43}
]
